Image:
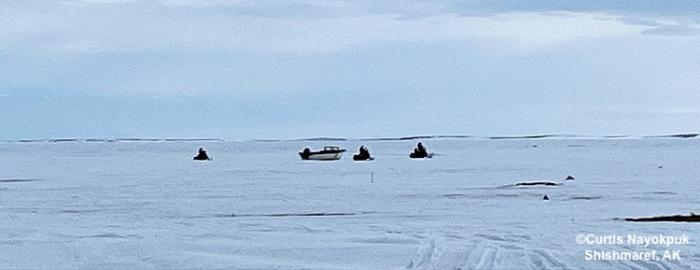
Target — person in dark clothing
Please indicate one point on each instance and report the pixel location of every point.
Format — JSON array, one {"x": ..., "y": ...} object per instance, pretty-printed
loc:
[
  {"x": 419, "y": 151},
  {"x": 363, "y": 151},
  {"x": 305, "y": 154},
  {"x": 202, "y": 155},
  {"x": 363, "y": 154}
]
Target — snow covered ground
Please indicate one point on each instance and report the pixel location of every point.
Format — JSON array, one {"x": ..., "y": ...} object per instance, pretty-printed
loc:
[{"x": 147, "y": 205}]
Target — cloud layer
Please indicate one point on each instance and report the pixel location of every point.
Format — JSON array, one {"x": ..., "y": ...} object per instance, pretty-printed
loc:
[
  {"x": 93, "y": 26},
  {"x": 252, "y": 69}
]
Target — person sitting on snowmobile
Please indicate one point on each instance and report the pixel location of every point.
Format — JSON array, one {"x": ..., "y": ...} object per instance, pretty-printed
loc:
[{"x": 202, "y": 155}]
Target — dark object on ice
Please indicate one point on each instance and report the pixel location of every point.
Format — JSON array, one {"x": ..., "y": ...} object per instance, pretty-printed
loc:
[
  {"x": 417, "y": 155},
  {"x": 202, "y": 155},
  {"x": 328, "y": 153},
  {"x": 587, "y": 198},
  {"x": 545, "y": 198},
  {"x": 677, "y": 218},
  {"x": 312, "y": 214},
  {"x": 540, "y": 183},
  {"x": 536, "y": 184},
  {"x": 420, "y": 152},
  {"x": 691, "y": 135},
  {"x": 17, "y": 180},
  {"x": 660, "y": 166},
  {"x": 363, "y": 154}
]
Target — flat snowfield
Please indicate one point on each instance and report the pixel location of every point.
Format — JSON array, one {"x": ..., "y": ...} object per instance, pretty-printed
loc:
[{"x": 257, "y": 205}]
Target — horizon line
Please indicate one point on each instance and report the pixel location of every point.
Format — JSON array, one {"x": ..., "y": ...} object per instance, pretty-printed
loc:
[{"x": 332, "y": 138}]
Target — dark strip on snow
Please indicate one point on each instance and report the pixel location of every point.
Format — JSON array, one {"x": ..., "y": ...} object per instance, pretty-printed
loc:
[
  {"x": 17, "y": 180},
  {"x": 682, "y": 136},
  {"x": 586, "y": 198},
  {"x": 311, "y": 214},
  {"x": 676, "y": 218},
  {"x": 540, "y": 183}
]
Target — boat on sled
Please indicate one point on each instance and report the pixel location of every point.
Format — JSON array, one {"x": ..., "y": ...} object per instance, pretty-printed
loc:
[{"x": 328, "y": 153}]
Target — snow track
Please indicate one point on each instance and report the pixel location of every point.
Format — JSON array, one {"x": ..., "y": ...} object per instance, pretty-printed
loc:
[{"x": 102, "y": 205}]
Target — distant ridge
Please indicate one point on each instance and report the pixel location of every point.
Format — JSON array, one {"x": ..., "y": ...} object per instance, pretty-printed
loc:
[
  {"x": 410, "y": 138},
  {"x": 194, "y": 140},
  {"x": 526, "y": 137},
  {"x": 683, "y": 136},
  {"x": 65, "y": 140},
  {"x": 339, "y": 139},
  {"x": 330, "y": 139},
  {"x": 105, "y": 140},
  {"x": 168, "y": 140},
  {"x": 99, "y": 140},
  {"x": 615, "y": 136},
  {"x": 267, "y": 140}
]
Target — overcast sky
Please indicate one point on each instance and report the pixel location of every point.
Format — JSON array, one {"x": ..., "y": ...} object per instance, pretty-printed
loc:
[{"x": 291, "y": 69}]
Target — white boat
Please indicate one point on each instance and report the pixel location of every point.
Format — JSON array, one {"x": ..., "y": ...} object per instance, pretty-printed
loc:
[{"x": 328, "y": 153}]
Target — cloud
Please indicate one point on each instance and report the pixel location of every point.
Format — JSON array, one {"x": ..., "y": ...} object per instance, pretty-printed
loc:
[
  {"x": 659, "y": 26},
  {"x": 96, "y": 26}
]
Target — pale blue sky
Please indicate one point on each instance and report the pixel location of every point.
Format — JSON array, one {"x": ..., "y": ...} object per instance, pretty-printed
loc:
[{"x": 290, "y": 69}]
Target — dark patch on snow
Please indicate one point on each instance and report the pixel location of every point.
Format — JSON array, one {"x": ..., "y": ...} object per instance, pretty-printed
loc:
[
  {"x": 311, "y": 214},
  {"x": 676, "y": 218},
  {"x": 18, "y": 180},
  {"x": 587, "y": 198},
  {"x": 110, "y": 235},
  {"x": 31, "y": 141},
  {"x": 682, "y": 136},
  {"x": 662, "y": 193},
  {"x": 536, "y": 184},
  {"x": 79, "y": 211},
  {"x": 455, "y": 195}
]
